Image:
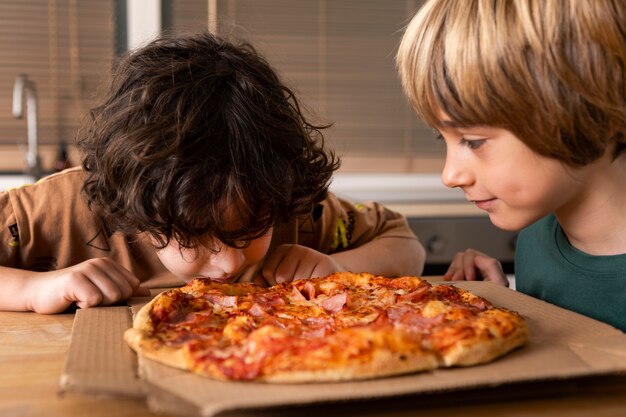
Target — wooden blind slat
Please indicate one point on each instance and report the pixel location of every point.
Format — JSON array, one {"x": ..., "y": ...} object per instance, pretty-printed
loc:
[
  {"x": 338, "y": 55},
  {"x": 35, "y": 39}
]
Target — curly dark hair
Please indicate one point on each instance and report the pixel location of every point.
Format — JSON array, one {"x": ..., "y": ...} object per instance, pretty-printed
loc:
[{"x": 197, "y": 131}]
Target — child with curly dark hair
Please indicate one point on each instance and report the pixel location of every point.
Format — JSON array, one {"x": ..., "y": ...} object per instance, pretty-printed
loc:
[{"x": 198, "y": 163}]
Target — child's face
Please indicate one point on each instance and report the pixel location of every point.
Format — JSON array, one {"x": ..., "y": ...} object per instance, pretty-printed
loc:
[
  {"x": 226, "y": 265},
  {"x": 504, "y": 177}
]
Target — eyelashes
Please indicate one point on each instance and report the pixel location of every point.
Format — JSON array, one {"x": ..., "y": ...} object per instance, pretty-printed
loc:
[{"x": 472, "y": 144}]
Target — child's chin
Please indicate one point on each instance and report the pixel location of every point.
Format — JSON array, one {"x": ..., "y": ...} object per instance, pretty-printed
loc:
[{"x": 508, "y": 224}]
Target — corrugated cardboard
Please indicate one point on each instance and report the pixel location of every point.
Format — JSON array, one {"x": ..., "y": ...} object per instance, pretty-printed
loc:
[
  {"x": 97, "y": 363},
  {"x": 563, "y": 345}
]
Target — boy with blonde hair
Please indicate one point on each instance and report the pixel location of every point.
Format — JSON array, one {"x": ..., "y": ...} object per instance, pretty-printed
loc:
[{"x": 530, "y": 99}]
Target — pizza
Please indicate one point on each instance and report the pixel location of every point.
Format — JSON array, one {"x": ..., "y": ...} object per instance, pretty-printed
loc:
[{"x": 346, "y": 326}]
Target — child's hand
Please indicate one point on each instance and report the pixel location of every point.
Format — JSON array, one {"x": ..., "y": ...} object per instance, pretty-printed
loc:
[
  {"x": 472, "y": 265},
  {"x": 94, "y": 282},
  {"x": 289, "y": 262}
]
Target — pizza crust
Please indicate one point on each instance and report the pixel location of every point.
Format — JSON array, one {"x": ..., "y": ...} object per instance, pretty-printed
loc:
[
  {"x": 467, "y": 353},
  {"x": 141, "y": 342},
  {"x": 141, "y": 338},
  {"x": 383, "y": 364}
]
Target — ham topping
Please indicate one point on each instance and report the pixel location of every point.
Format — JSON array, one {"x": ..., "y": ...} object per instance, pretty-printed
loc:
[
  {"x": 414, "y": 296},
  {"x": 309, "y": 290},
  {"x": 257, "y": 311},
  {"x": 222, "y": 300},
  {"x": 268, "y": 300},
  {"x": 296, "y": 295},
  {"x": 335, "y": 303},
  {"x": 406, "y": 316}
]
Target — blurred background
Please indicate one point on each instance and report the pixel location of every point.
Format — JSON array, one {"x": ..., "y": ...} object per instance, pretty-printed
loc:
[{"x": 337, "y": 55}]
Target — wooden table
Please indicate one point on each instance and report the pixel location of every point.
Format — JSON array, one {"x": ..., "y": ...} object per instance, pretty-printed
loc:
[{"x": 33, "y": 349}]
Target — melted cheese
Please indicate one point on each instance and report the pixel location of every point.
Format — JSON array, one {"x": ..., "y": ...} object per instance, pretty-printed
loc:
[{"x": 434, "y": 308}]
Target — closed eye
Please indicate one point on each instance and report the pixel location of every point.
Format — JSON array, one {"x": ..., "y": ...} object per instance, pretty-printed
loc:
[{"x": 473, "y": 143}]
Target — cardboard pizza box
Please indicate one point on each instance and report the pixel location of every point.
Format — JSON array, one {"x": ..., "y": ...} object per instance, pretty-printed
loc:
[{"x": 563, "y": 346}]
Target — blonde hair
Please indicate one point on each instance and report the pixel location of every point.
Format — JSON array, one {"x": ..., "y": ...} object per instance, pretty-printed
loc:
[{"x": 551, "y": 72}]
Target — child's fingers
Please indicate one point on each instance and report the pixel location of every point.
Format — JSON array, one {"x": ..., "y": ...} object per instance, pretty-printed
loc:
[
  {"x": 102, "y": 282},
  {"x": 449, "y": 273},
  {"x": 269, "y": 269},
  {"x": 491, "y": 270},
  {"x": 455, "y": 270},
  {"x": 141, "y": 292},
  {"x": 85, "y": 294},
  {"x": 113, "y": 286},
  {"x": 463, "y": 267},
  {"x": 469, "y": 267},
  {"x": 125, "y": 279}
]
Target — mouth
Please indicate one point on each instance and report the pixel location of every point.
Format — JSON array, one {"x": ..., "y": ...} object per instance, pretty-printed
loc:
[
  {"x": 484, "y": 204},
  {"x": 221, "y": 280}
]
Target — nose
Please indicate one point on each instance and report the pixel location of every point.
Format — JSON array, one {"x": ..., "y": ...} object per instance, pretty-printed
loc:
[
  {"x": 455, "y": 171},
  {"x": 228, "y": 260}
]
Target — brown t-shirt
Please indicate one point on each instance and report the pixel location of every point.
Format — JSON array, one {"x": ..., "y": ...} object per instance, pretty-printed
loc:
[{"x": 48, "y": 226}]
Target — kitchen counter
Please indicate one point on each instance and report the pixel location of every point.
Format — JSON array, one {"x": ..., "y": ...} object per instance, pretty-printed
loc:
[{"x": 33, "y": 350}]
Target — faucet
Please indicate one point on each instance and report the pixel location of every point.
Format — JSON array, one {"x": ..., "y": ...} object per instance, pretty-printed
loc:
[{"x": 25, "y": 87}]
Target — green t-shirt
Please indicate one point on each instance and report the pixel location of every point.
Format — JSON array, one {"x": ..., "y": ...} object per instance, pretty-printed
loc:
[{"x": 548, "y": 267}]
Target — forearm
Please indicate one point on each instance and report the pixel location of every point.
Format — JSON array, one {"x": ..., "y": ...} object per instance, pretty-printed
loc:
[
  {"x": 387, "y": 256},
  {"x": 15, "y": 291}
]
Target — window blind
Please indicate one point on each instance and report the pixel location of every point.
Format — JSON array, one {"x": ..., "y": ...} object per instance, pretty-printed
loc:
[
  {"x": 339, "y": 57},
  {"x": 65, "y": 47}
]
